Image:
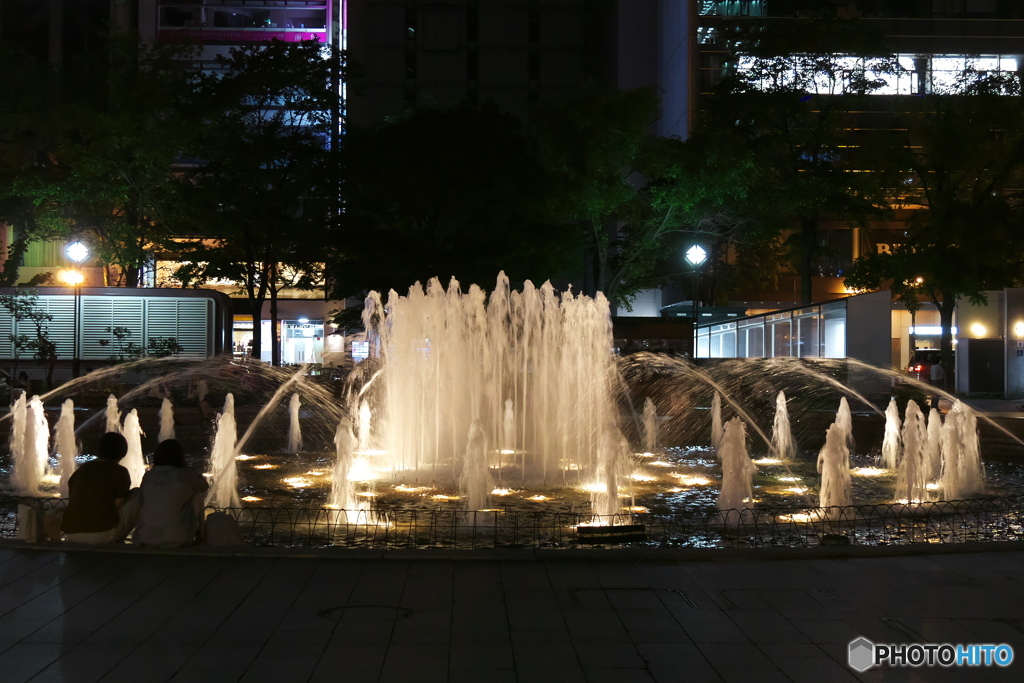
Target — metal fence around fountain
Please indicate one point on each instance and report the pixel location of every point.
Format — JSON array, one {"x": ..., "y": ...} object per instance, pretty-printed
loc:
[{"x": 982, "y": 519}]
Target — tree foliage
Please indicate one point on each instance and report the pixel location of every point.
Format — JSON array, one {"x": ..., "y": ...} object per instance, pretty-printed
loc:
[
  {"x": 962, "y": 153},
  {"x": 448, "y": 192},
  {"x": 266, "y": 179},
  {"x": 788, "y": 99}
]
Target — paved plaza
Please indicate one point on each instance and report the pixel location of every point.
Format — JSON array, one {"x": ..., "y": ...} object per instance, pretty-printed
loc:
[{"x": 494, "y": 617}]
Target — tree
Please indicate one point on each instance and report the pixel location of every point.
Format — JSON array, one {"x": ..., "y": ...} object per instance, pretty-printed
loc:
[
  {"x": 128, "y": 122},
  {"x": 23, "y": 307},
  {"x": 789, "y": 98},
  {"x": 266, "y": 182},
  {"x": 962, "y": 152},
  {"x": 596, "y": 146},
  {"x": 446, "y": 192},
  {"x": 30, "y": 178}
]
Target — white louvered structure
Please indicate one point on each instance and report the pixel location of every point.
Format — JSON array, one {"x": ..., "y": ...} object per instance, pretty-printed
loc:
[{"x": 192, "y": 320}]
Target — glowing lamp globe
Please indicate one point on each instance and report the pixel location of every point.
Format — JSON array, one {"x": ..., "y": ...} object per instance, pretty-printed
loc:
[
  {"x": 696, "y": 255},
  {"x": 77, "y": 251}
]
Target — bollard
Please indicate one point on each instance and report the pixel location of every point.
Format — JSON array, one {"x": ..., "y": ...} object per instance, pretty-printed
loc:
[{"x": 30, "y": 523}]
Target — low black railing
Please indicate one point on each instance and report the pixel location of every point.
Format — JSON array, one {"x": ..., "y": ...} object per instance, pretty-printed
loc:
[{"x": 983, "y": 519}]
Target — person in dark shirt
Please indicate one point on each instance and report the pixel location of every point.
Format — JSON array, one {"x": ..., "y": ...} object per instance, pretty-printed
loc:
[{"x": 101, "y": 506}]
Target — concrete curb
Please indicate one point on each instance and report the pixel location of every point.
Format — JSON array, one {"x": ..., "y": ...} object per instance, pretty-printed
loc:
[{"x": 542, "y": 554}]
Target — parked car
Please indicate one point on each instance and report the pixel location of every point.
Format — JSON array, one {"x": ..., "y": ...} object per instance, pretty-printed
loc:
[{"x": 921, "y": 362}]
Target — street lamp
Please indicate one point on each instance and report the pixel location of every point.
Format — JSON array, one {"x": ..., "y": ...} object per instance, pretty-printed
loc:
[
  {"x": 77, "y": 252},
  {"x": 696, "y": 256}
]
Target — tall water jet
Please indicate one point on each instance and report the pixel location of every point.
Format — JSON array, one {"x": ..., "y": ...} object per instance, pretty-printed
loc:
[
  {"x": 343, "y": 494},
  {"x": 29, "y": 445},
  {"x": 844, "y": 418},
  {"x": 364, "y": 426},
  {"x": 611, "y": 455},
  {"x": 962, "y": 472},
  {"x": 973, "y": 472},
  {"x": 737, "y": 469},
  {"x": 508, "y": 428},
  {"x": 911, "y": 474},
  {"x": 650, "y": 426},
  {"x": 717, "y": 431},
  {"x": 67, "y": 444},
  {"x": 113, "y": 415},
  {"x": 782, "y": 432},
  {"x": 834, "y": 467},
  {"x": 294, "y": 428},
  {"x": 134, "y": 461},
  {"x": 449, "y": 357},
  {"x": 224, "y": 489},
  {"x": 24, "y": 474},
  {"x": 37, "y": 436},
  {"x": 166, "y": 420},
  {"x": 476, "y": 484},
  {"x": 892, "y": 442},
  {"x": 932, "y": 456}
]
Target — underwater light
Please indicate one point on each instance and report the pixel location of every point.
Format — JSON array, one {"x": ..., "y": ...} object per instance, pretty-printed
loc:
[
  {"x": 690, "y": 480},
  {"x": 869, "y": 471}
]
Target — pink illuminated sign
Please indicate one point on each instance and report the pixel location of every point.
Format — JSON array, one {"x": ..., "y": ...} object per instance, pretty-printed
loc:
[{"x": 209, "y": 35}]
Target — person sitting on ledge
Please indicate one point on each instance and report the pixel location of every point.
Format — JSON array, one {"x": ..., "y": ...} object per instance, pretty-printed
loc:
[
  {"x": 101, "y": 506},
  {"x": 172, "y": 500}
]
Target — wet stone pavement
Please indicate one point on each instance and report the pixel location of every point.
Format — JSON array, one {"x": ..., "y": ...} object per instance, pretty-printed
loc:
[{"x": 131, "y": 616}]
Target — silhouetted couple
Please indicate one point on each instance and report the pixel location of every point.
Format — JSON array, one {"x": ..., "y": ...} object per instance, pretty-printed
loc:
[{"x": 166, "y": 510}]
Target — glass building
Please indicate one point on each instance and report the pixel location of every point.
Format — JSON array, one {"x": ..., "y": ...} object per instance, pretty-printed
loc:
[{"x": 855, "y": 327}]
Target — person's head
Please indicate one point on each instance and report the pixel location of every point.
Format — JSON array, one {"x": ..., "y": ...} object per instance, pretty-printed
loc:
[
  {"x": 169, "y": 452},
  {"x": 112, "y": 447}
]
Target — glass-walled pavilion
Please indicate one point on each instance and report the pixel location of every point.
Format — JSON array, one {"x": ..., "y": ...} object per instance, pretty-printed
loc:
[{"x": 854, "y": 327}]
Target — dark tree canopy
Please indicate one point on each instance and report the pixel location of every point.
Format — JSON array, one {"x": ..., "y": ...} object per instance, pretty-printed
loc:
[{"x": 448, "y": 193}]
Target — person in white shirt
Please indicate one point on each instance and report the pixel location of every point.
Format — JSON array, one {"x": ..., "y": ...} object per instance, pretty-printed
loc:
[{"x": 172, "y": 500}]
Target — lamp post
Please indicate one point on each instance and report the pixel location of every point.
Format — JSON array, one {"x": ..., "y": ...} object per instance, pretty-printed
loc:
[
  {"x": 912, "y": 337},
  {"x": 77, "y": 253},
  {"x": 696, "y": 256}
]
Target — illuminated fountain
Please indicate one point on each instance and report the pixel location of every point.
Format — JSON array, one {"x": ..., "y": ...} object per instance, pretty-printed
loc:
[
  {"x": 834, "y": 467},
  {"x": 961, "y": 472},
  {"x": 650, "y": 426},
  {"x": 223, "y": 470},
  {"x": 28, "y": 445},
  {"x": 932, "y": 456},
  {"x": 364, "y": 426},
  {"x": 782, "y": 433},
  {"x": 294, "y": 428},
  {"x": 166, "y": 416},
  {"x": 113, "y": 415},
  {"x": 892, "y": 441},
  {"x": 717, "y": 430},
  {"x": 342, "y": 486},
  {"x": 134, "y": 461},
  {"x": 737, "y": 469},
  {"x": 446, "y": 359},
  {"x": 912, "y": 471},
  {"x": 67, "y": 444},
  {"x": 844, "y": 420}
]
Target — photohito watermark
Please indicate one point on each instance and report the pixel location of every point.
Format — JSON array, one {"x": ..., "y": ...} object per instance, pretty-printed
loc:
[{"x": 864, "y": 654}]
